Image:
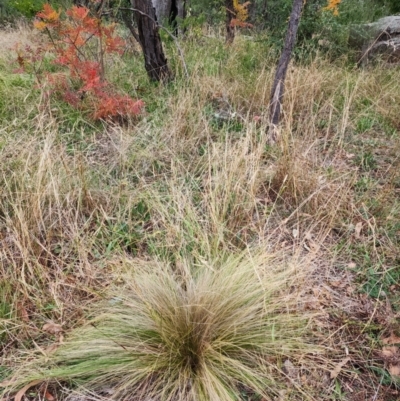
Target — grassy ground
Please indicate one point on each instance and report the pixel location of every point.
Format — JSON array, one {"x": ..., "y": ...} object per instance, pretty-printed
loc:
[{"x": 185, "y": 225}]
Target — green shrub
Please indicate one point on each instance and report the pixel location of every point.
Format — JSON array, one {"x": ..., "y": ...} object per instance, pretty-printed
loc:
[
  {"x": 14, "y": 9},
  {"x": 321, "y": 30}
]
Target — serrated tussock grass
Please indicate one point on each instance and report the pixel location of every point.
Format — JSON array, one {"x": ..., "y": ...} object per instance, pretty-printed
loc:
[{"x": 196, "y": 333}]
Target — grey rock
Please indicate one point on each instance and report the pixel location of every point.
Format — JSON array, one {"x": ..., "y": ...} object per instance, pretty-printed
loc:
[{"x": 380, "y": 39}]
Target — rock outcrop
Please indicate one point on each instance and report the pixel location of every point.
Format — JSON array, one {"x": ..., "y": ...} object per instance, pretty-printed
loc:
[{"x": 378, "y": 40}]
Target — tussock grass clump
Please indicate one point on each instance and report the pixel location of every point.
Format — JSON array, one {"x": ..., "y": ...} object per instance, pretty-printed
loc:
[{"x": 211, "y": 334}]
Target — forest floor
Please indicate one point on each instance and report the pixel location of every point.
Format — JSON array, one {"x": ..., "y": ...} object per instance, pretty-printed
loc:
[{"x": 193, "y": 180}]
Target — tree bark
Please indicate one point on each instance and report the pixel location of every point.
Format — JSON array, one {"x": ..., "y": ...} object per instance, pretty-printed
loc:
[
  {"x": 230, "y": 15},
  {"x": 155, "y": 61},
  {"x": 163, "y": 10},
  {"x": 181, "y": 15},
  {"x": 278, "y": 87},
  {"x": 169, "y": 10},
  {"x": 181, "y": 4}
]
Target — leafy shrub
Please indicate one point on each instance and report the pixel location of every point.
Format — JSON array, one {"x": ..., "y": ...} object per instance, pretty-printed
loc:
[
  {"x": 210, "y": 11},
  {"x": 78, "y": 47},
  {"x": 27, "y": 8},
  {"x": 11, "y": 10},
  {"x": 324, "y": 24}
]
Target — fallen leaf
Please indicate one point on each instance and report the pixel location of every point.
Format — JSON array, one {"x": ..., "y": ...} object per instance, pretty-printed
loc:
[
  {"x": 23, "y": 313},
  {"x": 389, "y": 351},
  {"x": 7, "y": 383},
  {"x": 394, "y": 370},
  {"x": 308, "y": 236},
  {"x": 391, "y": 340},
  {"x": 338, "y": 368},
  {"x": 51, "y": 348},
  {"x": 52, "y": 328},
  {"x": 338, "y": 283},
  {"x": 357, "y": 229},
  {"x": 290, "y": 369},
  {"x": 311, "y": 246},
  {"x": 390, "y": 346},
  {"x": 49, "y": 396},
  {"x": 21, "y": 393}
]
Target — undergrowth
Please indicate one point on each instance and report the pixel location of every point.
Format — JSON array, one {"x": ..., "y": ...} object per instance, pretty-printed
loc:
[{"x": 119, "y": 243}]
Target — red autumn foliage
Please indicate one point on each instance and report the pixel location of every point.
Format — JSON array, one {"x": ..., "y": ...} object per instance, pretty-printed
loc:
[
  {"x": 78, "y": 45},
  {"x": 237, "y": 23},
  {"x": 115, "y": 106}
]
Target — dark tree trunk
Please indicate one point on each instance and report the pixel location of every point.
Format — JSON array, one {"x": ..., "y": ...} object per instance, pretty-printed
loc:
[
  {"x": 172, "y": 16},
  {"x": 230, "y": 15},
  {"x": 177, "y": 15},
  {"x": 278, "y": 87},
  {"x": 155, "y": 61}
]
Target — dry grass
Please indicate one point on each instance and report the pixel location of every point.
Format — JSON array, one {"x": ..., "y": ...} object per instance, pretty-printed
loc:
[
  {"x": 153, "y": 211},
  {"x": 206, "y": 332},
  {"x": 20, "y": 35}
]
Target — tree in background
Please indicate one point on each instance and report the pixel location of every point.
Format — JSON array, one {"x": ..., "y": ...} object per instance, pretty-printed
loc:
[
  {"x": 230, "y": 14},
  {"x": 169, "y": 10},
  {"x": 236, "y": 17},
  {"x": 278, "y": 87},
  {"x": 149, "y": 38}
]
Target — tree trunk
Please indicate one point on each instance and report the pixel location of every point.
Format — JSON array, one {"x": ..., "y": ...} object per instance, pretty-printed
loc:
[
  {"x": 181, "y": 5},
  {"x": 230, "y": 15},
  {"x": 181, "y": 9},
  {"x": 167, "y": 12},
  {"x": 155, "y": 61},
  {"x": 163, "y": 10},
  {"x": 278, "y": 87}
]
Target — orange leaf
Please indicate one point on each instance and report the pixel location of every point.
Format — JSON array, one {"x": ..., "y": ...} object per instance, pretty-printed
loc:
[
  {"x": 48, "y": 13},
  {"x": 40, "y": 25},
  {"x": 49, "y": 396},
  {"x": 78, "y": 13}
]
